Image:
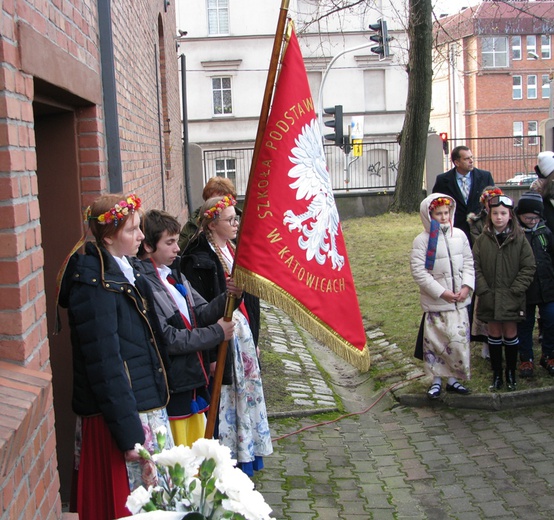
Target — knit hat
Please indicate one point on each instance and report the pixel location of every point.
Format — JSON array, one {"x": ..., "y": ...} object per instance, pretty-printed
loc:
[
  {"x": 530, "y": 202},
  {"x": 546, "y": 164}
]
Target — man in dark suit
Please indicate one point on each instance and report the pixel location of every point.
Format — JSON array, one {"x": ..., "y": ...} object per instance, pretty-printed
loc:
[{"x": 464, "y": 184}]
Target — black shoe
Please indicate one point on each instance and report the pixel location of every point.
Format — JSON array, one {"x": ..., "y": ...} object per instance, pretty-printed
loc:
[
  {"x": 458, "y": 388},
  {"x": 496, "y": 382},
  {"x": 511, "y": 380},
  {"x": 548, "y": 364},
  {"x": 434, "y": 391}
]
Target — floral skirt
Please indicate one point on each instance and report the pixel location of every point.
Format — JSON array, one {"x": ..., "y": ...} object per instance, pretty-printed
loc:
[
  {"x": 150, "y": 422},
  {"x": 446, "y": 344},
  {"x": 243, "y": 425}
]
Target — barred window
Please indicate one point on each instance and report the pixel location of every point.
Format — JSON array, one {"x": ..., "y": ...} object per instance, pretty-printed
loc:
[{"x": 226, "y": 168}]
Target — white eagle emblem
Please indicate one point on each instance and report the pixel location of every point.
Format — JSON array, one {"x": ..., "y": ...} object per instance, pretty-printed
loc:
[{"x": 319, "y": 224}]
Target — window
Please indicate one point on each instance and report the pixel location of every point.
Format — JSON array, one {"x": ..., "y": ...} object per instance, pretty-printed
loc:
[
  {"x": 531, "y": 46},
  {"x": 221, "y": 90},
  {"x": 545, "y": 47},
  {"x": 545, "y": 86},
  {"x": 495, "y": 52},
  {"x": 518, "y": 133},
  {"x": 226, "y": 168},
  {"x": 517, "y": 89},
  {"x": 533, "y": 132},
  {"x": 531, "y": 86},
  {"x": 218, "y": 17},
  {"x": 516, "y": 47}
]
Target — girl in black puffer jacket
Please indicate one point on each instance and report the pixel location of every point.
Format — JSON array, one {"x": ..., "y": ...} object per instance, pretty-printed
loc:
[{"x": 119, "y": 381}]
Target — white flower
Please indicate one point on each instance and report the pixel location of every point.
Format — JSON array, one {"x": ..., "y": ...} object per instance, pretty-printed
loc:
[
  {"x": 210, "y": 449},
  {"x": 161, "y": 430},
  {"x": 242, "y": 498},
  {"x": 179, "y": 467},
  {"x": 233, "y": 482},
  {"x": 142, "y": 451},
  {"x": 138, "y": 499},
  {"x": 177, "y": 455},
  {"x": 251, "y": 505}
]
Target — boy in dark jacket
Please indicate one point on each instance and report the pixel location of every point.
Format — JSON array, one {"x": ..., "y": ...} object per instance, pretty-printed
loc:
[
  {"x": 541, "y": 291},
  {"x": 191, "y": 327}
]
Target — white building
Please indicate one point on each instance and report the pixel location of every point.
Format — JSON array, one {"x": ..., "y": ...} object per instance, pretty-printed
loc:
[{"x": 228, "y": 46}]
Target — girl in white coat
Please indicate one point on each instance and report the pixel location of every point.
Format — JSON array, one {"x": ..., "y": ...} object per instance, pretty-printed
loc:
[{"x": 442, "y": 266}]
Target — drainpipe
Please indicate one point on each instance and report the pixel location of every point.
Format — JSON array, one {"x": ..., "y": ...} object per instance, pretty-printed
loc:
[
  {"x": 160, "y": 126},
  {"x": 109, "y": 92},
  {"x": 186, "y": 156}
]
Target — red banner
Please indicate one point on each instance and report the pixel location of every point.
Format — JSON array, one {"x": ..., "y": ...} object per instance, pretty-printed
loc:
[{"x": 291, "y": 248}]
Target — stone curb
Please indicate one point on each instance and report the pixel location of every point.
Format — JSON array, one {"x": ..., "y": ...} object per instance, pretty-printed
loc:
[
  {"x": 384, "y": 355},
  {"x": 493, "y": 401},
  {"x": 301, "y": 413}
]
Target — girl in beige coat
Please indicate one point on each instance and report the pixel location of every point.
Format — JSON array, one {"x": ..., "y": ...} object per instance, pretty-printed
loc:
[{"x": 442, "y": 266}]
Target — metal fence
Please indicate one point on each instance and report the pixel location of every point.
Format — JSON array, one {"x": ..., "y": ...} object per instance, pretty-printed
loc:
[
  {"x": 377, "y": 168},
  {"x": 505, "y": 157}
]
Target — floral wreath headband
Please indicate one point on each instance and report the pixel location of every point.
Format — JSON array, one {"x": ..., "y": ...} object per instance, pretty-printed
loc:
[
  {"x": 490, "y": 193},
  {"x": 117, "y": 213},
  {"x": 216, "y": 210},
  {"x": 438, "y": 202}
]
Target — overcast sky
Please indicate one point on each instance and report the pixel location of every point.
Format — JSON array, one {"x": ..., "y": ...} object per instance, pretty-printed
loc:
[{"x": 452, "y": 6}]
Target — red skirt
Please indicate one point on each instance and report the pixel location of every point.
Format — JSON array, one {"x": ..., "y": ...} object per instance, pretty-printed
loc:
[{"x": 101, "y": 485}]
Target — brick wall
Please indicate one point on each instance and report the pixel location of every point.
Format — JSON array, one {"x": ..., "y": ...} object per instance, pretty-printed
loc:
[{"x": 143, "y": 35}]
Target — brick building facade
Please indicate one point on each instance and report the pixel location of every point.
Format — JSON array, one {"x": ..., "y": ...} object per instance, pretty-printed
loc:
[
  {"x": 89, "y": 103},
  {"x": 493, "y": 65}
]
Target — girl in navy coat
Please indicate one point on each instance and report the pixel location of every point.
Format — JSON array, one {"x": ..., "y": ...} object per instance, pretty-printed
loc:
[{"x": 119, "y": 380}]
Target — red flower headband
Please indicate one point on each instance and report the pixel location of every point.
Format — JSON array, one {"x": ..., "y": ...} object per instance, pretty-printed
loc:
[
  {"x": 118, "y": 212},
  {"x": 487, "y": 194},
  {"x": 438, "y": 202},
  {"x": 216, "y": 210}
]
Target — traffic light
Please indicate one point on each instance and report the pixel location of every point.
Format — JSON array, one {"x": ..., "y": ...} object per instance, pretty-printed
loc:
[
  {"x": 444, "y": 139},
  {"x": 381, "y": 38},
  {"x": 336, "y": 123}
]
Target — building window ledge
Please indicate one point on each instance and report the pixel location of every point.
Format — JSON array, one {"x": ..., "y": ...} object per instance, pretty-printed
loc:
[{"x": 24, "y": 395}]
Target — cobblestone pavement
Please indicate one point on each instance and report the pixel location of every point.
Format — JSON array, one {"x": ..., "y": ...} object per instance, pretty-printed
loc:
[{"x": 384, "y": 460}]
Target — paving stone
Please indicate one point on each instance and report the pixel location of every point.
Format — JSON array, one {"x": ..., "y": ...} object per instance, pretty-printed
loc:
[{"x": 432, "y": 463}]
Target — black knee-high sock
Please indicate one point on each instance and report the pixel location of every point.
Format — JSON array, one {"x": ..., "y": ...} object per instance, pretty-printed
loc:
[
  {"x": 495, "y": 351},
  {"x": 511, "y": 349}
]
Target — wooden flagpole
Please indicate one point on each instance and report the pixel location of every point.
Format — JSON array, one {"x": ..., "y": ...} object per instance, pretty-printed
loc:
[{"x": 264, "y": 114}]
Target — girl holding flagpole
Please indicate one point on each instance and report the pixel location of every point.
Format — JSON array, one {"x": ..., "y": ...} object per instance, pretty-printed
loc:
[{"x": 207, "y": 263}]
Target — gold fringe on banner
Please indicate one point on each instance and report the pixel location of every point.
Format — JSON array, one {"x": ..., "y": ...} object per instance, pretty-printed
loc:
[{"x": 272, "y": 293}]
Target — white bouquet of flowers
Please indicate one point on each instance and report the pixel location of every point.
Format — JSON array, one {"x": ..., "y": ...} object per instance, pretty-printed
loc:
[{"x": 202, "y": 482}]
